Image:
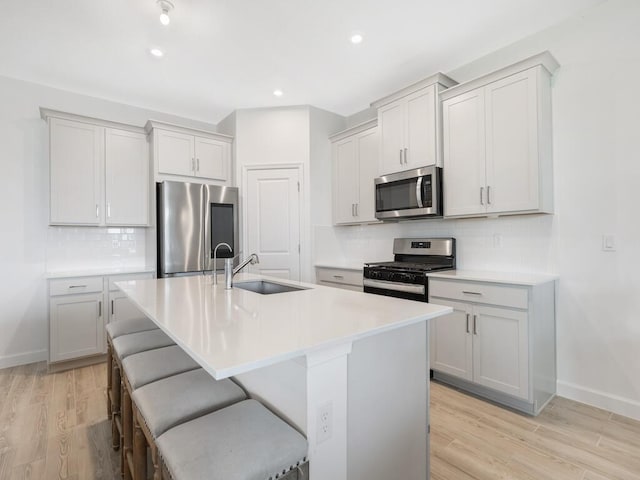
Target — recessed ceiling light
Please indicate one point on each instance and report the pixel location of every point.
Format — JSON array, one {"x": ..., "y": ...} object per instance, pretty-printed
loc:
[
  {"x": 165, "y": 7},
  {"x": 278, "y": 93},
  {"x": 356, "y": 38},
  {"x": 156, "y": 52}
]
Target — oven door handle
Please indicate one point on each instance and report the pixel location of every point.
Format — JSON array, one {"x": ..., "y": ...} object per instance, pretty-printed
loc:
[
  {"x": 419, "y": 192},
  {"x": 395, "y": 286}
]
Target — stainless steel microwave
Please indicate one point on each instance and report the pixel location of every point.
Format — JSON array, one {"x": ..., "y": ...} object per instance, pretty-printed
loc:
[{"x": 411, "y": 194}]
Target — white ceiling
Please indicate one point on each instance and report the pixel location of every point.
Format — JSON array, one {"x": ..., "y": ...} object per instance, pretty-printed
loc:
[{"x": 228, "y": 54}]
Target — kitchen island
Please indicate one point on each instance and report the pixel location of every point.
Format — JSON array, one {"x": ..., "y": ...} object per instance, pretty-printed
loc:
[{"x": 348, "y": 369}]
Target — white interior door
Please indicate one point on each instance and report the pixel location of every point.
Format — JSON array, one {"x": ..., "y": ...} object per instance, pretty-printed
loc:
[{"x": 272, "y": 213}]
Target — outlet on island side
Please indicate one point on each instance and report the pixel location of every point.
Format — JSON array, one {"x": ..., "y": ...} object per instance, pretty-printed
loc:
[{"x": 324, "y": 422}]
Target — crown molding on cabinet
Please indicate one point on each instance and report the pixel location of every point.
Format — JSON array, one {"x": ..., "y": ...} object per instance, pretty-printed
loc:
[
  {"x": 47, "y": 113},
  {"x": 151, "y": 124},
  {"x": 439, "y": 78},
  {"x": 545, "y": 59},
  {"x": 361, "y": 127}
]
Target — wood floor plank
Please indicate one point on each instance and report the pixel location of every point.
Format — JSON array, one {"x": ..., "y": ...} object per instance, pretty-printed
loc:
[{"x": 30, "y": 471}]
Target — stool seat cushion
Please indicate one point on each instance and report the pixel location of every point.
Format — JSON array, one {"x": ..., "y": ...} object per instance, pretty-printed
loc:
[
  {"x": 153, "y": 365},
  {"x": 180, "y": 398},
  {"x": 133, "y": 343},
  {"x": 242, "y": 442},
  {"x": 132, "y": 325}
]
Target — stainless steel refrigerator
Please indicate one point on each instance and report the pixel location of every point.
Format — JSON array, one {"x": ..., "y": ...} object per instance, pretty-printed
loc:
[{"x": 192, "y": 219}]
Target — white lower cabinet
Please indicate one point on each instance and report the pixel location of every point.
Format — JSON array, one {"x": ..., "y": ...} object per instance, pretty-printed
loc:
[
  {"x": 500, "y": 339},
  {"x": 345, "y": 278},
  {"x": 76, "y": 326},
  {"x": 79, "y": 309}
]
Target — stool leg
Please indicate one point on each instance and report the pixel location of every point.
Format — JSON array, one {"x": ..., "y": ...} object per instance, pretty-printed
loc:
[
  {"x": 115, "y": 406},
  {"x": 127, "y": 430},
  {"x": 123, "y": 457},
  {"x": 139, "y": 448},
  {"x": 109, "y": 379}
]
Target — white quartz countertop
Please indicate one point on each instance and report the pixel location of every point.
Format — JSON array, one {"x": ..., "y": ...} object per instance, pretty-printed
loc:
[
  {"x": 235, "y": 331},
  {"x": 98, "y": 271},
  {"x": 513, "y": 278}
]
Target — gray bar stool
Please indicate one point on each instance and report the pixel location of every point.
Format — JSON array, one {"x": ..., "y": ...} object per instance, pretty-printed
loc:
[
  {"x": 242, "y": 442},
  {"x": 141, "y": 369},
  {"x": 161, "y": 405},
  {"x": 115, "y": 330},
  {"x": 123, "y": 347}
]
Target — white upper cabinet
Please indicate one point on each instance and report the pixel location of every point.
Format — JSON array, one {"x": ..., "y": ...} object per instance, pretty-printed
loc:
[
  {"x": 76, "y": 161},
  {"x": 126, "y": 178},
  {"x": 192, "y": 155},
  {"x": 409, "y": 123},
  {"x": 497, "y": 142},
  {"x": 174, "y": 152},
  {"x": 99, "y": 173},
  {"x": 355, "y": 166}
]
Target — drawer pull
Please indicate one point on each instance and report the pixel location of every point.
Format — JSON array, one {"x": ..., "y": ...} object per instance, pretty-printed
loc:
[
  {"x": 471, "y": 293},
  {"x": 99, "y": 309},
  {"x": 475, "y": 324},
  {"x": 468, "y": 323},
  {"x": 111, "y": 307},
  {"x": 77, "y": 286},
  {"x": 339, "y": 277}
]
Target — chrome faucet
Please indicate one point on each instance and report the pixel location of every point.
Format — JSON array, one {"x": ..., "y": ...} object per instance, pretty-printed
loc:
[
  {"x": 215, "y": 263},
  {"x": 229, "y": 271}
]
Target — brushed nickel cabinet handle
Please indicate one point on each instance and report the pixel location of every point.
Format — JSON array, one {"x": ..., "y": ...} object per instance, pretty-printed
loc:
[
  {"x": 77, "y": 286},
  {"x": 475, "y": 324},
  {"x": 488, "y": 194},
  {"x": 111, "y": 307},
  {"x": 100, "y": 308},
  {"x": 109, "y": 210},
  {"x": 197, "y": 164},
  {"x": 471, "y": 293},
  {"x": 97, "y": 210},
  {"x": 468, "y": 323},
  {"x": 481, "y": 196},
  {"x": 339, "y": 277},
  {"x": 356, "y": 209}
]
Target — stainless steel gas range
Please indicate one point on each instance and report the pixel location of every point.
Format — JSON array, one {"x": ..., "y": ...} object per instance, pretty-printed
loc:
[{"x": 406, "y": 276}]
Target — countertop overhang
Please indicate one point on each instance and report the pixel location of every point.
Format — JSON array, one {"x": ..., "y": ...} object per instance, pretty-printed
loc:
[{"x": 230, "y": 332}]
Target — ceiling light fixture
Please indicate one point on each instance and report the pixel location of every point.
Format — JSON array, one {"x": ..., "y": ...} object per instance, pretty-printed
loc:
[
  {"x": 278, "y": 93},
  {"x": 156, "y": 52},
  {"x": 356, "y": 38},
  {"x": 165, "y": 7}
]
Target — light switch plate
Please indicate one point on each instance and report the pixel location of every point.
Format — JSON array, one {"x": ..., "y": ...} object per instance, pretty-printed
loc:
[{"x": 608, "y": 243}]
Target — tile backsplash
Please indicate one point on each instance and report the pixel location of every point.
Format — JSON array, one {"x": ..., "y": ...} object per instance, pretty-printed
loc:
[{"x": 78, "y": 248}]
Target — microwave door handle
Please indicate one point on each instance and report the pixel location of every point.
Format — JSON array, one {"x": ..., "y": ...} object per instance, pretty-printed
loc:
[{"x": 419, "y": 192}]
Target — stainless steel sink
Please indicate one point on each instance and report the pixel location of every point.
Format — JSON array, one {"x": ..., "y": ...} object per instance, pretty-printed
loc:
[{"x": 265, "y": 287}]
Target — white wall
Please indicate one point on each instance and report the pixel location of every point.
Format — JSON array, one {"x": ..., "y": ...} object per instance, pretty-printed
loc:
[
  {"x": 29, "y": 247},
  {"x": 596, "y": 97}
]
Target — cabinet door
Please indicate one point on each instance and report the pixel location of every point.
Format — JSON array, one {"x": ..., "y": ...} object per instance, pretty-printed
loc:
[
  {"x": 391, "y": 119},
  {"x": 512, "y": 146},
  {"x": 121, "y": 308},
  {"x": 76, "y": 157},
  {"x": 501, "y": 350},
  {"x": 174, "y": 152},
  {"x": 452, "y": 341},
  {"x": 421, "y": 128},
  {"x": 368, "y": 152},
  {"x": 464, "y": 154},
  {"x": 127, "y": 178},
  {"x": 346, "y": 177},
  {"x": 212, "y": 159},
  {"x": 76, "y": 326}
]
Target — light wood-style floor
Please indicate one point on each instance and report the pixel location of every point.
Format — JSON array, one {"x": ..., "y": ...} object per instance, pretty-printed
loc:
[{"x": 54, "y": 426}]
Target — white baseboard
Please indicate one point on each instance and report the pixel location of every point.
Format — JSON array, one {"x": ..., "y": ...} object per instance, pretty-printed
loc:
[
  {"x": 25, "y": 358},
  {"x": 607, "y": 401}
]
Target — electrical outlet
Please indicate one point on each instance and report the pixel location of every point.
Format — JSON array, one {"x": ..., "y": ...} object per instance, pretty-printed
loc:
[{"x": 324, "y": 422}]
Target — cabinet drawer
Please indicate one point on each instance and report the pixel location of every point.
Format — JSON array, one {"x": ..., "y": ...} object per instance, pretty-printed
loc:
[
  {"x": 123, "y": 278},
  {"x": 339, "y": 277},
  {"x": 68, "y": 286},
  {"x": 489, "y": 293}
]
